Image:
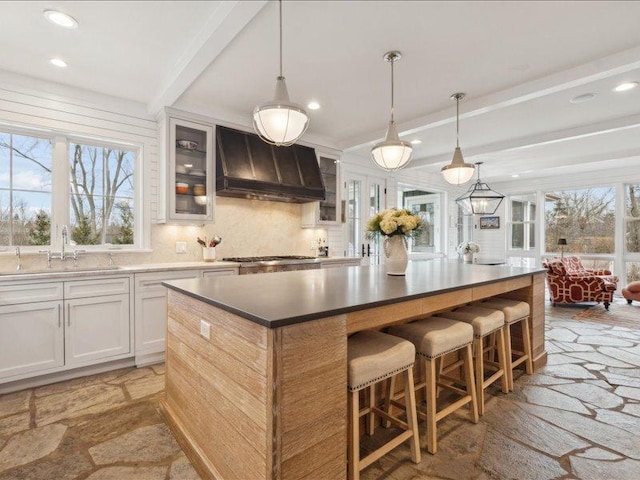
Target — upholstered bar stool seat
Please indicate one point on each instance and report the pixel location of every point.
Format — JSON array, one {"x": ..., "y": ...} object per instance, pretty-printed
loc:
[
  {"x": 485, "y": 322},
  {"x": 373, "y": 357},
  {"x": 433, "y": 338},
  {"x": 514, "y": 312}
]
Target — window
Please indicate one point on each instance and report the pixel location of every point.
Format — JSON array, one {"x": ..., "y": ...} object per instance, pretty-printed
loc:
[
  {"x": 632, "y": 218},
  {"x": 97, "y": 201},
  {"x": 522, "y": 222},
  {"x": 427, "y": 206},
  {"x": 101, "y": 195},
  {"x": 25, "y": 189},
  {"x": 585, "y": 217}
]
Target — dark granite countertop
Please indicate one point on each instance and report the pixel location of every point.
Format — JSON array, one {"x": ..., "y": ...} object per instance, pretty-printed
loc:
[{"x": 284, "y": 298}]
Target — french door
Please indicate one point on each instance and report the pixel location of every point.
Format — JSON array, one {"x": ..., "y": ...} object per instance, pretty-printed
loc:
[
  {"x": 365, "y": 196},
  {"x": 428, "y": 208}
]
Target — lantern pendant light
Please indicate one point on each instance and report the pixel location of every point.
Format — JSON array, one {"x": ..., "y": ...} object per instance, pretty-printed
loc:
[
  {"x": 480, "y": 199},
  {"x": 392, "y": 153},
  {"x": 280, "y": 122},
  {"x": 457, "y": 172}
]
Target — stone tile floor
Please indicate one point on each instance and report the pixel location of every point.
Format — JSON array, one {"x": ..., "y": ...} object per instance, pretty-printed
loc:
[{"x": 577, "y": 418}]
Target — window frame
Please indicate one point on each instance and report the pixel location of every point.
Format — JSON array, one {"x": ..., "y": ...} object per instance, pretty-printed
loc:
[
  {"x": 529, "y": 226},
  {"x": 60, "y": 188}
]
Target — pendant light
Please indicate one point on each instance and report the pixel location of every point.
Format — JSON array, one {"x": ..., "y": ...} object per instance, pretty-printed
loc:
[
  {"x": 393, "y": 153},
  {"x": 280, "y": 122},
  {"x": 457, "y": 172},
  {"x": 480, "y": 199}
]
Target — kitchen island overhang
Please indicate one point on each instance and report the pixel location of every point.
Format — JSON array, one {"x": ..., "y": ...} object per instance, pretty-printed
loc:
[{"x": 265, "y": 396}]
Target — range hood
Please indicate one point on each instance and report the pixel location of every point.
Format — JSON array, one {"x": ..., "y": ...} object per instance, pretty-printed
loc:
[{"x": 248, "y": 167}]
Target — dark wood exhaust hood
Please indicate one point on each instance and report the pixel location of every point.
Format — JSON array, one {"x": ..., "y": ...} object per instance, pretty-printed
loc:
[{"x": 247, "y": 167}]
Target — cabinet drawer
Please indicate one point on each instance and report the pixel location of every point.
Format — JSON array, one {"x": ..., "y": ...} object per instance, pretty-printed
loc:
[
  {"x": 91, "y": 288},
  {"x": 38, "y": 292},
  {"x": 146, "y": 281},
  {"x": 220, "y": 272}
]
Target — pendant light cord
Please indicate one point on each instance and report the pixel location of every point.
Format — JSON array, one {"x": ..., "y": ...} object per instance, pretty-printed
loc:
[
  {"x": 457, "y": 121},
  {"x": 392, "y": 62},
  {"x": 280, "y": 2}
]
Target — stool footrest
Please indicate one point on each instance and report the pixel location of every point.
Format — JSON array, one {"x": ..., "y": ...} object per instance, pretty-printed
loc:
[{"x": 373, "y": 456}]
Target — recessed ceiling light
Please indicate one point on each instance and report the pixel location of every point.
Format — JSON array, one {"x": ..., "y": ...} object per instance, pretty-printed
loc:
[
  {"x": 313, "y": 106},
  {"x": 623, "y": 87},
  {"x": 416, "y": 142},
  {"x": 515, "y": 175},
  {"x": 585, "y": 97},
  {"x": 60, "y": 19},
  {"x": 58, "y": 62}
]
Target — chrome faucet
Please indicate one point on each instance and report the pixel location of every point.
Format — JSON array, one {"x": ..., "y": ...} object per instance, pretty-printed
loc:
[{"x": 19, "y": 267}]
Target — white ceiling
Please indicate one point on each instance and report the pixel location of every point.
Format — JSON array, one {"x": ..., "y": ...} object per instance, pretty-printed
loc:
[{"x": 519, "y": 63}]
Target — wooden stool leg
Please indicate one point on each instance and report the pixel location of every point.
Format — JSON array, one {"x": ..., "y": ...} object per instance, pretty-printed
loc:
[
  {"x": 412, "y": 417},
  {"x": 502, "y": 361},
  {"x": 478, "y": 346},
  {"x": 508, "y": 355},
  {"x": 526, "y": 341},
  {"x": 371, "y": 418},
  {"x": 353, "y": 449},
  {"x": 388, "y": 406},
  {"x": 431, "y": 390},
  {"x": 467, "y": 356}
]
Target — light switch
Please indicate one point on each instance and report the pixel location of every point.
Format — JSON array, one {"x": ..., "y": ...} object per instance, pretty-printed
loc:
[
  {"x": 181, "y": 247},
  {"x": 205, "y": 329}
]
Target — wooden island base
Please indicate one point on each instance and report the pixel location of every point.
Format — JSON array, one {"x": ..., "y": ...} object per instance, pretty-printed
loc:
[{"x": 255, "y": 402}]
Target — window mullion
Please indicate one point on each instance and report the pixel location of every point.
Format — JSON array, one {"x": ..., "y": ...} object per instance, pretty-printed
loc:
[{"x": 60, "y": 196}]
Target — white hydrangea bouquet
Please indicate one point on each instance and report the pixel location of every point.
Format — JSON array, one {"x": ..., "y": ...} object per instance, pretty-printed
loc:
[
  {"x": 467, "y": 247},
  {"x": 392, "y": 222}
]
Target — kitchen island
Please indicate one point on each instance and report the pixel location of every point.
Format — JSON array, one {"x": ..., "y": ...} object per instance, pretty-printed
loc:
[{"x": 256, "y": 365}]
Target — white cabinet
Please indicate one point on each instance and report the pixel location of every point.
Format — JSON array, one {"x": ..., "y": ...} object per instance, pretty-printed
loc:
[
  {"x": 220, "y": 272},
  {"x": 54, "y": 326},
  {"x": 96, "y": 328},
  {"x": 327, "y": 211},
  {"x": 31, "y": 338},
  {"x": 187, "y": 175},
  {"x": 151, "y": 313}
]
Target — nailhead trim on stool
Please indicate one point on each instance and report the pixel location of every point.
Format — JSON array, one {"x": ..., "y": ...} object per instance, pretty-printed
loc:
[
  {"x": 484, "y": 321},
  {"x": 515, "y": 312},
  {"x": 433, "y": 338},
  {"x": 372, "y": 357}
]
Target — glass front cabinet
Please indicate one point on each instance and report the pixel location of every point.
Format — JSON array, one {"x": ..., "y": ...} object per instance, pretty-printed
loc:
[
  {"x": 188, "y": 172},
  {"x": 327, "y": 211}
]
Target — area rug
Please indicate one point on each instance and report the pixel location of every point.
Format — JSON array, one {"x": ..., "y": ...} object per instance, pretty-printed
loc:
[{"x": 619, "y": 315}]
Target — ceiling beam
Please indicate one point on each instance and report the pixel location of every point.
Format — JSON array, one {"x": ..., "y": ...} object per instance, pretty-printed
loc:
[
  {"x": 612, "y": 65},
  {"x": 227, "y": 19},
  {"x": 547, "y": 138}
]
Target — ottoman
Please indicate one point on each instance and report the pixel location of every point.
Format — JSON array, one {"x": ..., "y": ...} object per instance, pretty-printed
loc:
[{"x": 632, "y": 292}]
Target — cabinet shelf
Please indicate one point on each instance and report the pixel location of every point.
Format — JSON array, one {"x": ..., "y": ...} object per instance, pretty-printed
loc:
[{"x": 187, "y": 151}]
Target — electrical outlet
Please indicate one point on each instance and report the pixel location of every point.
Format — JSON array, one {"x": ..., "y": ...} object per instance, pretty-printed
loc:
[
  {"x": 181, "y": 247},
  {"x": 205, "y": 329}
]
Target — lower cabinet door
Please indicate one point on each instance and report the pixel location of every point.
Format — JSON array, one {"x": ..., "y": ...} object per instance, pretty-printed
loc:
[
  {"x": 31, "y": 338},
  {"x": 151, "y": 320},
  {"x": 96, "y": 328}
]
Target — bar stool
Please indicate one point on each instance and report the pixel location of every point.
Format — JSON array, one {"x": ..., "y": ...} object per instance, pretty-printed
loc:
[
  {"x": 433, "y": 338},
  {"x": 514, "y": 312},
  {"x": 373, "y": 357},
  {"x": 484, "y": 321}
]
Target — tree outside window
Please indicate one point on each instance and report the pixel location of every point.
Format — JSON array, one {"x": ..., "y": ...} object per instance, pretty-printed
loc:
[
  {"x": 25, "y": 189},
  {"x": 101, "y": 195},
  {"x": 632, "y": 229},
  {"x": 585, "y": 217}
]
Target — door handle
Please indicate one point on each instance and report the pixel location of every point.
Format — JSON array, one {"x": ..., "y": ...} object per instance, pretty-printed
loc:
[
  {"x": 59, "y": 315},
  {"x": 363, "y": 250},
  {"x": 369, "y": 250},
  {"x": 68, "y": 315}
]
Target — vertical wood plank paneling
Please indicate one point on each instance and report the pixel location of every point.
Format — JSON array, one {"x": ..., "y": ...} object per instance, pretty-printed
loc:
[{"x": 314, "y": 396}]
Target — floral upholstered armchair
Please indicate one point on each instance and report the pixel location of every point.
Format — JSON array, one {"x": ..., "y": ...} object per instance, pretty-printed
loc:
[{"x": 570, "y": 282}]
